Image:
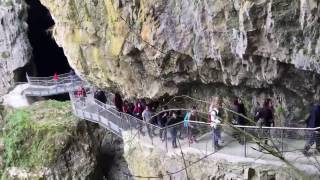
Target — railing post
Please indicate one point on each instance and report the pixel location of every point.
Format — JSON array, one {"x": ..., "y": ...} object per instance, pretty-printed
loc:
[
  {"x": 28, "y": 80},
  {"x": 245, "y": 142},
  {"x": 213, "y": 140},
  {"x": 282, "y": 141},
  {"x": 166, "y": 137},
  {"x": 188, "y": 136}
]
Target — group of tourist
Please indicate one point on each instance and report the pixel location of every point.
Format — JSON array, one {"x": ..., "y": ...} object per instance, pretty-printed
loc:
[{"x": 264, "y": 116}]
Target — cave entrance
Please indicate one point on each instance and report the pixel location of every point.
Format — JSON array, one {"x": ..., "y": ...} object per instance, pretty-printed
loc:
[{"x": 48, "y": 57}]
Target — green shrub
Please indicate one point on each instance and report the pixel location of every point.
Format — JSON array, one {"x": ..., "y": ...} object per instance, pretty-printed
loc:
[{"x": 34, "y": 136}]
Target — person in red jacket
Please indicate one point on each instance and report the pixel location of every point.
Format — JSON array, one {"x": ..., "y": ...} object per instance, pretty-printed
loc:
[
  {"x": 126, "y": 107},
  {"x": 138, "y": 109},
  {"x": 55, "y": 78}
]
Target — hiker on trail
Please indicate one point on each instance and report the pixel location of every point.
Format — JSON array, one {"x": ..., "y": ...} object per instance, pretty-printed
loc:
[
  {"x": 72, "y": 73},
  {"x": 238, "y": 118},
  {"x": 147, "y": 118},
  {"x": 143, "y": 103},
  {"x": 265, "y": 117},
  {"x": 313, "y": 121},
  {"x": 241, "y": 110},
  {"x": 138, "y": 109},
  {"x": 190, "y": 116},
  {"x": 118, "y": 101},
  {"x": 215, "y": 122},
  {"x": 162, "y": 119},
  {"x": 126, "y": 108},
  {"x": 180, "y": 129},
  {"x": 55, "y": 78},
  {"x": 100, "y": 96},
  {"x": 81, "y": 92},
  {"x": 173, "y": 129}
]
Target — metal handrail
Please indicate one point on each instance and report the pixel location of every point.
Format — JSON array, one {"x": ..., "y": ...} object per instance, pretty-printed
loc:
[
  {"x": 117, "y": 122},
  {"x": 50, "y": 77}
]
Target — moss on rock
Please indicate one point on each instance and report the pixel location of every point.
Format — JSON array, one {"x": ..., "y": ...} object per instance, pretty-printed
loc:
[{"x": 35, "y": 135}]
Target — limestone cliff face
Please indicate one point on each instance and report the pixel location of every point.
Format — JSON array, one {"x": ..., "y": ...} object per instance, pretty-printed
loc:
[
  {"x": 252, "y": 48},
  {"x": 146, "y": 160},
  {"x": 15, "y": 49}
]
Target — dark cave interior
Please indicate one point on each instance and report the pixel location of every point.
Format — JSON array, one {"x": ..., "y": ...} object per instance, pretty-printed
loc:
[{"x": 48, "y": 57}]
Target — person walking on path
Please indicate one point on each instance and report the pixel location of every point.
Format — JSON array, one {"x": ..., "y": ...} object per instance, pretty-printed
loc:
[
  {"x": 81, "y": 94},
  {"x": 126, "y": 107},
  {"x": 313, "y": 121},
  {"x": 138, "y": 109},
  {"x": 162, "y": 119},
  {"x": 190, "y": 116},
  {"x": 147, "y": 118},
  {"x": 55, "y": 78},
  {"x": 118, "y": 101},
  {"x": 265, "y": 118},
  {"x": 215, "y": 123},
  {"x": 238, "y": 118},
  {"x": 173, "y": 129},
  {"x": 100, "y": 96}
]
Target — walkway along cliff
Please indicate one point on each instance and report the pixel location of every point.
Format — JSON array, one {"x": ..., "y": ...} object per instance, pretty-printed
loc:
[{"x": 286, "y": 140}]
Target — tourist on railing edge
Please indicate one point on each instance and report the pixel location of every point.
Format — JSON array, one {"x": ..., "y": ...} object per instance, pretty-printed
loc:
[
  {"x": 147, "y": 118},
  {"x": 126, "y": 107},
  {"x": 190, "y": 116},
  {"x": 56, "y": 78},
  {"x": 100, "y": 96},
  {"x": 118, "y": 101},
  {"x": 215, "y": 122},
  {"x": 162, "y": 119},
  {"x": 81, "y": 94},
  {"x": 138, "y": 109},
  {"x": 173, "y": 119},
  {"x": 239, "y": 108},
  {"x": 313, "y": 121},
  {"x": 265, "y": 117}
]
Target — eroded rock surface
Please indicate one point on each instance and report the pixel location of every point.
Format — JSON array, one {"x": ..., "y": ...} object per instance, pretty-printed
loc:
[
  {"x": 15, "y": 49},
  {"x": 145, "y": 160},
  {"x": 251, "y": 48}
]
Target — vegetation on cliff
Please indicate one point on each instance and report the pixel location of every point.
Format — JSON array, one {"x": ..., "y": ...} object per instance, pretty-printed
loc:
[{"x": 35, "y": 135}]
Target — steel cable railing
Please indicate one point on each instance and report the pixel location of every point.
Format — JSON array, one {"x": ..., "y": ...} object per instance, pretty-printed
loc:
[{"x": 241, "y": 140}]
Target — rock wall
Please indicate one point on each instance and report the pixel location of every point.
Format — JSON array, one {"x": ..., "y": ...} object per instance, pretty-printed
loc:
[
  {"x": 15, "y": 49},
  {"x": 251, "y": 48},
  {"x": 146, "y": 161},
  {"x": 45, "y": 141}
]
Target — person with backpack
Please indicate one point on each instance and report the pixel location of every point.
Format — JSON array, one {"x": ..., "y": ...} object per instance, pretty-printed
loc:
[
  {"x": 215, "y": 123},
  {"x": 313, "y": 121},
  {"x": 265, "y": 117},
  {"x": 190, "y": 116}
]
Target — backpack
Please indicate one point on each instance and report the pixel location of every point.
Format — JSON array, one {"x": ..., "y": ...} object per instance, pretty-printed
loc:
[{"x": 186, "y": 119}]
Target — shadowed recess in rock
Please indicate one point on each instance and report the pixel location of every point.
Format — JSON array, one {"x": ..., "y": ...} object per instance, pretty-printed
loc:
[{"x": 47, "y": 56}]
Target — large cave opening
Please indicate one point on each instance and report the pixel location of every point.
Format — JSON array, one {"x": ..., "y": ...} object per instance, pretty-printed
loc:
[{"x": 48, "y": 57}]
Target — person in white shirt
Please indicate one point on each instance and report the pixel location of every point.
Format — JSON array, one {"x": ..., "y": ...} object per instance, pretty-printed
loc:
[{"x": 215, "y": 122}]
